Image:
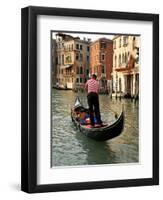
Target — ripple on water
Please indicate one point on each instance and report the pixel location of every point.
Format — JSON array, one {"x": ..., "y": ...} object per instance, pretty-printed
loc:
[{"x": 70, "y": 147}]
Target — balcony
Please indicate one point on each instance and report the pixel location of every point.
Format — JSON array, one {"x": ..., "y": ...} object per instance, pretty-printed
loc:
[
  {"x": 125, "y": 44},
  {"x": 122, "y": 67}
]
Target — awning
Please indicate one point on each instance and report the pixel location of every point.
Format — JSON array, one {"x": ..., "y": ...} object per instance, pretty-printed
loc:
[{"x": 65, "y": 66}]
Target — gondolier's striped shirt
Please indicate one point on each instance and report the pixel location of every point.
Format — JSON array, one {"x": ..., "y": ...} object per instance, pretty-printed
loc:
[{"x": 92, "y": 85}]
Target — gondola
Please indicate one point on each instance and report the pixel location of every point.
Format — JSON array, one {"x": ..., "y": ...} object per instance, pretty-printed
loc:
[
  {"x": 102, "y": 133},
  {"x": 61, "y": 88}
]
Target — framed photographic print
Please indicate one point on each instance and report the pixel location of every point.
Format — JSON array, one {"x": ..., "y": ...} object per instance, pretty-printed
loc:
[{"x": 90, "y": 99}]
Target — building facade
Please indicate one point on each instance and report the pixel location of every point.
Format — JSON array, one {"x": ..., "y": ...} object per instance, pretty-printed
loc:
[
  {"x": 72, "y": 55},
  {"x": 125, "y": 73},
  {"x": 53, "y": 61},
  {"x": 101, "y": 61},
  {"x": 60, "y": 59}
]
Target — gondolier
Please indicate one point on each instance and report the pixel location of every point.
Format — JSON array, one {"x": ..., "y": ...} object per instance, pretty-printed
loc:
[{"x": 92, "y": 88}]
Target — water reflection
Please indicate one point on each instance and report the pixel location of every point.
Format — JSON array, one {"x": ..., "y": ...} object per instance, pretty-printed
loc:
[{"x": 70, "y": 147}]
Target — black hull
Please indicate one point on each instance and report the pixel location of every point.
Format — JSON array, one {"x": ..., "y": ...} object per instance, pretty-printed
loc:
[
  {"x": 58, "y": 88},
  {"x": 102, "y": 133}
]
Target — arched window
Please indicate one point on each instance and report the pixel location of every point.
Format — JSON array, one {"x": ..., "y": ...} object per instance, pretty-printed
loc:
[
  {"x": 125, "y": 40},
  {"x": 119, "y": 59},
  {"x": 123, "y": 58},
  {"x": 120, "y": 42},
  {"x": 115, "y": 61}
]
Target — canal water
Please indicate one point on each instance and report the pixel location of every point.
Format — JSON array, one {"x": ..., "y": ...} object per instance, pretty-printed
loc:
[{"x": 71, "y": 148}]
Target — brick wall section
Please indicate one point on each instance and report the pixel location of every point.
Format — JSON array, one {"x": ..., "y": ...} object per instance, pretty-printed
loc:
[
  {"x": 96, "y": 60},
  {"x": 109, "y": 59}
]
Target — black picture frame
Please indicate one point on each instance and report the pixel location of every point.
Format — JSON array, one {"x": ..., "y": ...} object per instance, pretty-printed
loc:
[{"x": 29, "y": 98}]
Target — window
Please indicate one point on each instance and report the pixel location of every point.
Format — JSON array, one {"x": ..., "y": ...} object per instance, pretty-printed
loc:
[
  {"x": 115, "y": 61},
  {"x": 133, "y": 42},
  {"x": 119, "y": 60},
  {"x": 87, "y": 72},
  {"x": 77, "y": 80},
  {"x": 81, "y": 70},
  {"x": 87, "y": 48},
  {"x": 137, "y": 56},
  {"x": 62, "y": 59},
  {"x": 102, "y": 56},
  {"x": 77, "y": 56},
  {"x": 77, "y": 46},
  {"x": 103, "y": 69},
  {"x": 81, "y": 80},
  {"x": 87, "y": 58},
  {"x": 59, "y": 59},
  {"x": 125, "y": 40},
  {"x": 120, "y": 42},
  {"x": 81, "y": 56},
  {"x": 81, "y": 47},
  {"x": 103, "y": 45},
  {"x": 120, "y": 85},
  {"x": 123, "y": 58}
]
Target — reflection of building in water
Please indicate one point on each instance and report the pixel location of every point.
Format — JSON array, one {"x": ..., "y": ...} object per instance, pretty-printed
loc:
[
  {"x": 125, "y": 73},
  {"x": 101, "y": 58},
  {"x": 72, "y": 61}
]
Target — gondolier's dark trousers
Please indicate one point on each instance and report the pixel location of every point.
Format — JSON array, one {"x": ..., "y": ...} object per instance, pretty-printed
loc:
[{"x": 93, "y": 103}]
